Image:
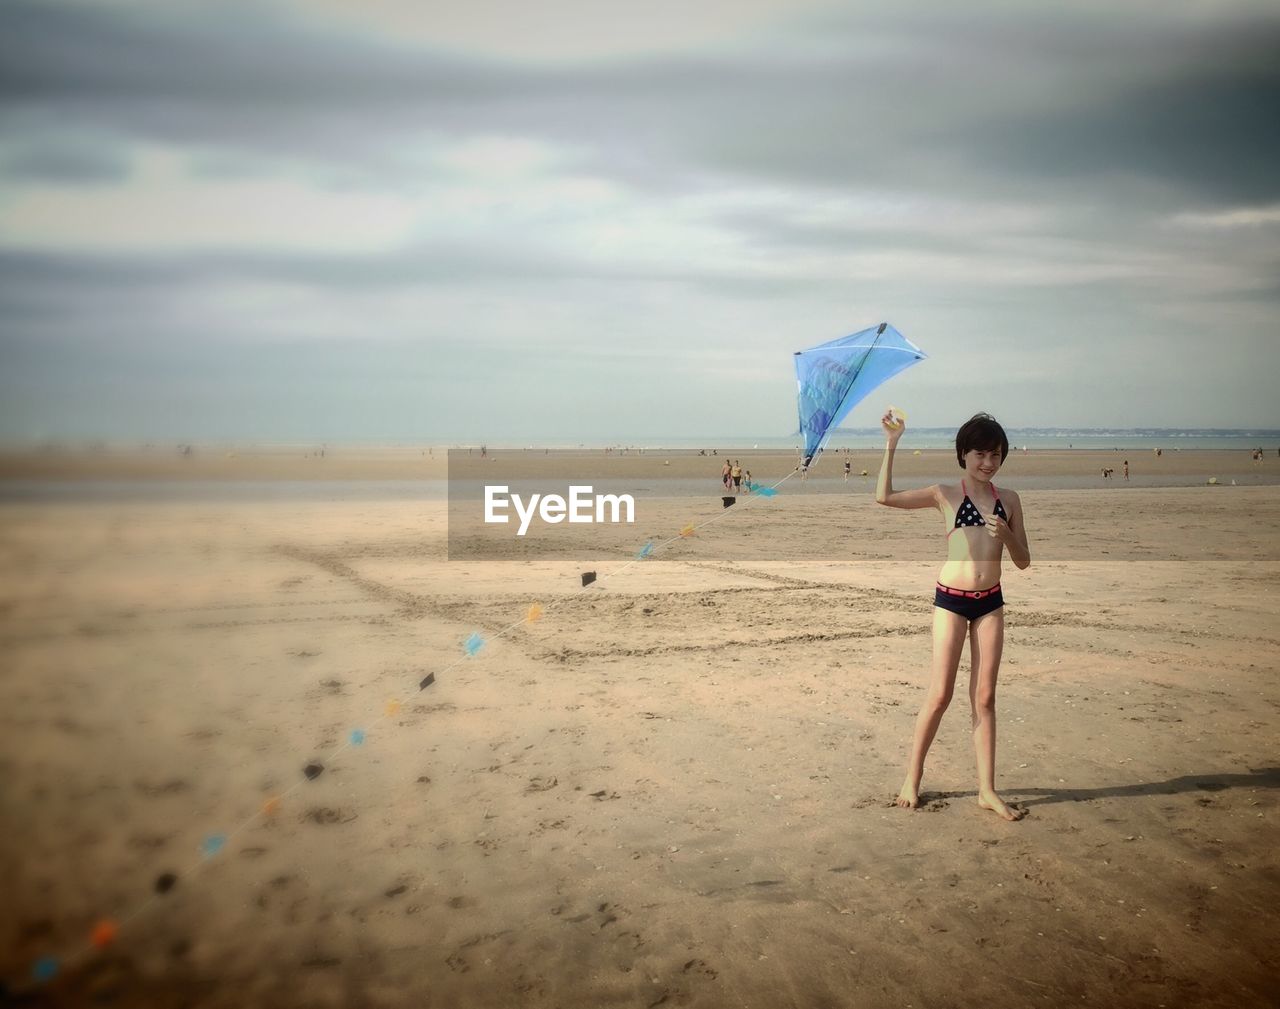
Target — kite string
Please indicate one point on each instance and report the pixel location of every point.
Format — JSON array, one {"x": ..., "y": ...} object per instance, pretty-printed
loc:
[{"x": 267, "y": 808}]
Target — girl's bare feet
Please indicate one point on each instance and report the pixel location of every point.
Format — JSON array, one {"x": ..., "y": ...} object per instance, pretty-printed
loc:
[
  {"x": 909, "y": 797},
  {"x": 993, "y": 802}
]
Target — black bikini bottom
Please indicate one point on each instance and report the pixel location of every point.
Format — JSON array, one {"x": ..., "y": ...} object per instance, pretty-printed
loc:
[{"x": 970, "y": 605}]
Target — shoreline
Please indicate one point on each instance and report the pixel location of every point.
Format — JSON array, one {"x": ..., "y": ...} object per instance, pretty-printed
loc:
[{"x": 405, "y": 473}]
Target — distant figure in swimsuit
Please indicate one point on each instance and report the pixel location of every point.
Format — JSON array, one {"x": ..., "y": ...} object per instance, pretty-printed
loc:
[
  {"x": 736, "y": 473},
  {"x": 848, "y": 466},
  {"x": 980, "y": 524},
  {"x": 1126, "y": 469},
  {"x": 725, "y": 475}
]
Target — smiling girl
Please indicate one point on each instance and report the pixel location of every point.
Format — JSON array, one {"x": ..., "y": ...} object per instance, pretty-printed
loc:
[{"x": 979, "y": 523}]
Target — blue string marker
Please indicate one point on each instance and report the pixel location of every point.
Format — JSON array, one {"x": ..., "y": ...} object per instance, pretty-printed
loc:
[
  {"x": 645, "y": 551},
  {"x": 357, "y": 737},
  {"x": 212, "y": 845},
  {"x": 766, "y": 492},
  {"x": 473, "y": 644},
  {"x": 45, "y": 969}
]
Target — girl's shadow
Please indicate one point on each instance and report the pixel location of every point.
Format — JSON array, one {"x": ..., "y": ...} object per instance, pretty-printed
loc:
[
  {"x": 1261, "y": 777},
  {"x": 1258, "y": 777}
]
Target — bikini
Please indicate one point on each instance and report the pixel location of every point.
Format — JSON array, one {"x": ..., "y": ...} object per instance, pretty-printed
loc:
[{"x": 971, "y": 603}]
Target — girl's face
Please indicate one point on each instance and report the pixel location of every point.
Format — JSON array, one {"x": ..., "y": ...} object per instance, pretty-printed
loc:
[{"x": 981, "y": 464}]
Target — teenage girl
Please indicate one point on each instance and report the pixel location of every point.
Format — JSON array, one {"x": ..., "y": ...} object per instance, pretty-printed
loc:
[{"x": 979, "y": 522}]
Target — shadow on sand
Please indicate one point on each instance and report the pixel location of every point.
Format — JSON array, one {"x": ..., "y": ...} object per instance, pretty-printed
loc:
[{"x": 1259, "y": 777}]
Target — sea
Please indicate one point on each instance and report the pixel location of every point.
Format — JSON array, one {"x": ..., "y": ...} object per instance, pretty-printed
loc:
[{"x": 1134, "y": 438}]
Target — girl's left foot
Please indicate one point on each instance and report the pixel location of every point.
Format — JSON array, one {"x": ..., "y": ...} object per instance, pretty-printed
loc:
[{"x": 993, "y": 802}]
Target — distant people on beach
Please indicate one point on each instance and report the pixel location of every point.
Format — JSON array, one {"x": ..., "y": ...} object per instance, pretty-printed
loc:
[
  {"x": 726, "y": 475},
  {"x": 736, "y": 473},
  {"x": 746, "y": 479},
  {"x": 1106, "y": 472},
  {"x": 1126, "y": 469},
  {"x": 848, "y": 467}
]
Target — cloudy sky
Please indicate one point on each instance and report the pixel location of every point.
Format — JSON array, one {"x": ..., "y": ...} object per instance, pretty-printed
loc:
[{"x": 586, "y": 220}]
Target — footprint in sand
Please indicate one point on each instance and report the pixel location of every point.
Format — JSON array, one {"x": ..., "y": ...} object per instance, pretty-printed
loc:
[
  {"x": 149, "y": 842},
  {"x": 325, "y": 815},
  {"x": 536, "y": 985},
  {"x": 169, "y": 787}
]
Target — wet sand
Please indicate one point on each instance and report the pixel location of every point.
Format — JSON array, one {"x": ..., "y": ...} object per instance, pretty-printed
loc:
[{"x": 675, "y": 788}]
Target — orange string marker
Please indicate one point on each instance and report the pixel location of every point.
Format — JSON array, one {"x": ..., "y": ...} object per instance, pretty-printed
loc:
[
  {"x": 271, "y": 806},
  {"x": 535, "y": 611},
  {"x": 687, "y": 531},
  {"x": 393, "y": 708},
  {"x": 104, "y": 933}
]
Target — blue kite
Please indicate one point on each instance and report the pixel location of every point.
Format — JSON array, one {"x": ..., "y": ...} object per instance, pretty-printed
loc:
[{"x": 832, "y": 378}]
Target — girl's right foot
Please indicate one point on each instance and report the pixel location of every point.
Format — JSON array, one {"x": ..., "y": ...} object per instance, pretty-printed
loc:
[
  {"x": 909, "y": 797},
  {"x": 993, "y": 802}
]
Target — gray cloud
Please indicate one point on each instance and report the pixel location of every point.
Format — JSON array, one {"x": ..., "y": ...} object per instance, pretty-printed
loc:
[
  {"x": 1068, "y": 138},
  {"x": 59, "y": 158},
  {"x": 973, "y": 101}
]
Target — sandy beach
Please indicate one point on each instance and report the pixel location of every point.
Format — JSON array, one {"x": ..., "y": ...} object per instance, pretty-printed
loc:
[{"x": 674, "y": 788}]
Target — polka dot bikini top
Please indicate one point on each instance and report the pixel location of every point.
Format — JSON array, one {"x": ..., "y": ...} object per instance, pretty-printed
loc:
[{"x": 967, "y": 514}]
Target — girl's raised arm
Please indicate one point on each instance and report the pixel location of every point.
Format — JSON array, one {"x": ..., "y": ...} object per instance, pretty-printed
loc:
[{"x": 924, "y": 497}]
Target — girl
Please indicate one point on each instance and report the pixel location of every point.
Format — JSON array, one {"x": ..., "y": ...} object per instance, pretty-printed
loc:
[{"x": 980, "y": 523}]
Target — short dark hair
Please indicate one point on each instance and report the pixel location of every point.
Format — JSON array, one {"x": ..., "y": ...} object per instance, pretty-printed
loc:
[{"x": 981, "y": 432}]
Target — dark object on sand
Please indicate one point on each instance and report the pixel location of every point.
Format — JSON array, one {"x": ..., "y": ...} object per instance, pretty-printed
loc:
[
  {"x": 165, "y": 882},
  {"x": 729, "y": 502},
  {"x": 427, "y": 680},
  {"x": 313, "y": 771},
  {"x": 587, "y": 578}
]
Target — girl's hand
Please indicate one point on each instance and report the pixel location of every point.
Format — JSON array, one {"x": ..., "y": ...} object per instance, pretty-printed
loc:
[
  {"x": 998, "y": 528},
  {"x": 893, "y": 426}
]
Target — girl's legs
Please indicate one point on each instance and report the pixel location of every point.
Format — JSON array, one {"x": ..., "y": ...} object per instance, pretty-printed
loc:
[
  {"x": 948, "y": 642},
  {"x": 986, "y": 642}
]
